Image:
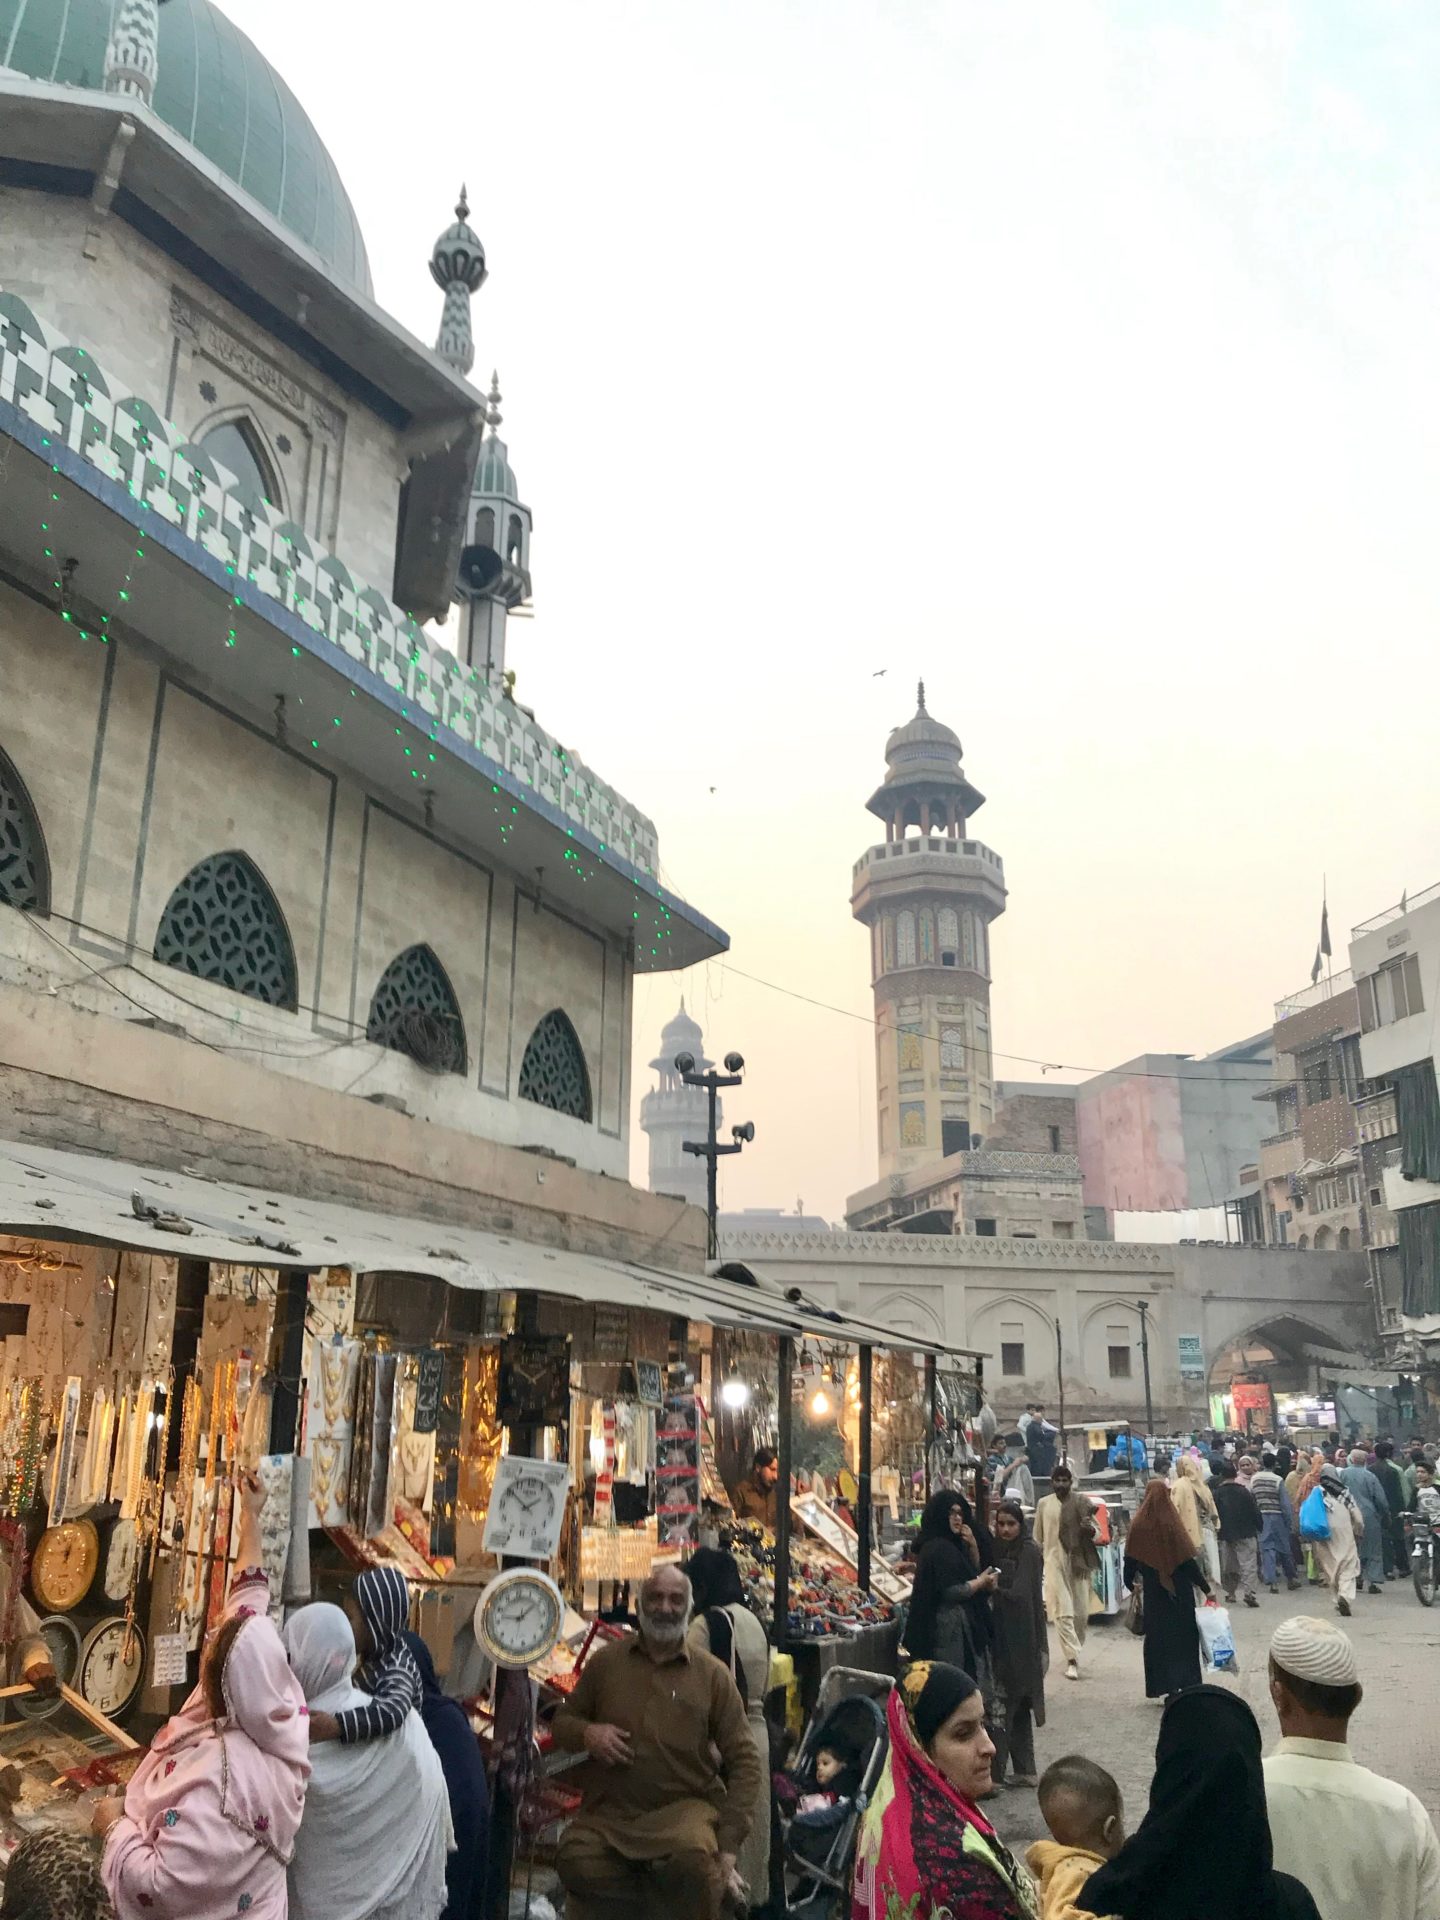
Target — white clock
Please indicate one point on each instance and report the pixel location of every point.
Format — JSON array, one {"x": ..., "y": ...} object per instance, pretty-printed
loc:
[
  {"x": 518, "y": 1617},
  {"x": 527, "y": 1507},
  {"x": 122, "y": 1560},
  {"x": 112, "y": 1668}
]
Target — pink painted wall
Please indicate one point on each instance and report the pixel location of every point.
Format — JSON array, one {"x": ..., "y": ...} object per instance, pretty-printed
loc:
[{"x": 1132, "y": 1144}]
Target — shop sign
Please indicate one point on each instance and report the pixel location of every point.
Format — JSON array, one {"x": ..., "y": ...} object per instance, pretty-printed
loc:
[
  {"x": 1192, "y": 1357},
  {"x": 1247, "y": 1398}
]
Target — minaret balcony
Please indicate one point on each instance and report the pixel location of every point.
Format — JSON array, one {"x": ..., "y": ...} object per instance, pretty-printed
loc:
[{"x": 928, "y": 860}]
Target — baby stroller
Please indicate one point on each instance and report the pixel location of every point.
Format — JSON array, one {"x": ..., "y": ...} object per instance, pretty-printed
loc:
[{"x": 820, "y": 1846}]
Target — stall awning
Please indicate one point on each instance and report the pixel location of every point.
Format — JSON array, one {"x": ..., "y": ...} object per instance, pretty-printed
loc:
[{"x": 55, "y": 1195}]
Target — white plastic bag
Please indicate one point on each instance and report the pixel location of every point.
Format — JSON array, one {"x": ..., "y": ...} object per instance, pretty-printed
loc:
[{"x": 1217, "y": 1640}]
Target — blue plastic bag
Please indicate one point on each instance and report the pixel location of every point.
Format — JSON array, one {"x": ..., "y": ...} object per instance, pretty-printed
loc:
[{"x": 1314, "y": 1520}]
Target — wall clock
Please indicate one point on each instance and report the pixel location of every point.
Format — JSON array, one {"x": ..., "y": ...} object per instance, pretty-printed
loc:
[
  {"x": 122, "y": 1559},
  {"x": 64, "y": 1565},
  {"x": 527, "y": 1507},
  {"x": 105, "y": 1677},
  {"x": 519, "y": 1616}
]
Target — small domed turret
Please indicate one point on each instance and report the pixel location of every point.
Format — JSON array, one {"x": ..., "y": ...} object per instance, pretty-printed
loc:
[{"x": 457, "y": 264}]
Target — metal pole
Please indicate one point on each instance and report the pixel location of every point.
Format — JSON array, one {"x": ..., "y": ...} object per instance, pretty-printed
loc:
[
  {"x": 863, "y": 1516},
  {"x": 1060, "y": 1377},
  {"x": 712, "y": 1241},
  {"x": 785, "y": 1415},
  {"x": 931, "y": 1392},
  {"x": 1145, "y": 1363}
]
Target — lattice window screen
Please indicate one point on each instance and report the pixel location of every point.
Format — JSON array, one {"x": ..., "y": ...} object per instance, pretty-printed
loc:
[
  {"x": 223, "y": 923},
  {"x": 415, "y": 1012},
  {"x": 553, "y": 1073},
  {"x": 24, "y": 869}
]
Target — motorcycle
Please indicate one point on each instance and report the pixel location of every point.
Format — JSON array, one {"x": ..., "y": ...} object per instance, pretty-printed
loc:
[{"x": 1424, "y": 1548}]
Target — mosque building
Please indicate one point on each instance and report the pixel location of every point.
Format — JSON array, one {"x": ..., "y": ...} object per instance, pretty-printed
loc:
[
  {"x": 287, "y": 886},
  {"x": 672, "y": 1112}
]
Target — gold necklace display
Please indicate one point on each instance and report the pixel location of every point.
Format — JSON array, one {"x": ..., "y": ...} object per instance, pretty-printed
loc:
[
  {"x": 24, "y": 1434},
  {"x": 325, "y": 1458},
  {"x": 334, "y": 1375}
]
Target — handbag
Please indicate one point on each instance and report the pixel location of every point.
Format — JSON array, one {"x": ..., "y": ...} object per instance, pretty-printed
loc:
[{"x": 1135, "y": 1612}]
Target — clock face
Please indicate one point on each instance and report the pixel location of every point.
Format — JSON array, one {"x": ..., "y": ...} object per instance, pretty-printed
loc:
[
  {"x": 122, "y": 1559},
  {"x": 64, "y": 1565},
  {"x": 518, "y": 1617},
  {"x": 528, "y": 1503},
  {"x": 107, "y": 1679}
]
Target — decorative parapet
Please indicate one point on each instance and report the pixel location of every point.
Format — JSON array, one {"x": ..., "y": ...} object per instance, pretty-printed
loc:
[
  {"x": 942, "y": 1250},
  {"x": 62, "y": 390}
]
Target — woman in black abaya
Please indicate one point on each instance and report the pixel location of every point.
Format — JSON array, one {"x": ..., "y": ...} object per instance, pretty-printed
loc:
[
  {"x": 949, "y": 1617},
  {"x": 1203, "y": 1850},
  {"x": 1159, "y": 1559}
]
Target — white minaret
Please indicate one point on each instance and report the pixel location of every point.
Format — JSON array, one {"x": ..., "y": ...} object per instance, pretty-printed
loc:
[
  {"x": 500, "y": 526},
  {"x": 673, "y": 1113},
  {"x": 132, "y": 54},
  {"x": 457, "y": 264}
]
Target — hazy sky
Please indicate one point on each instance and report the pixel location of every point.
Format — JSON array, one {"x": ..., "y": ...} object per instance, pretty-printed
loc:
[{"x": 1078, "y": 356}]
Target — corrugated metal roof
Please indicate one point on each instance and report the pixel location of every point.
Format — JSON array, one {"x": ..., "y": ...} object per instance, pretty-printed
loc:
[{"x": 54, "y": 1194}]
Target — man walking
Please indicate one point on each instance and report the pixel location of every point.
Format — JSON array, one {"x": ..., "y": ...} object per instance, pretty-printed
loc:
[
  {"x": 1065, "y": 1534},
  {"x": 1392, "y": 1483},
  {"x": 662, "y": 1820},
  {"x": 1363, "y": 1844},
  {"x": 1040, "y": 1439},
  {"x": 1277, "y": 1519},
  {"x": 1368, "y": 1494},
  {"x": 1239, "y": 1530}
]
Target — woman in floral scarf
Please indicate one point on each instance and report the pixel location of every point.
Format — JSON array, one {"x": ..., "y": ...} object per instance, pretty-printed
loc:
[{"x": 926, "y": 1852}]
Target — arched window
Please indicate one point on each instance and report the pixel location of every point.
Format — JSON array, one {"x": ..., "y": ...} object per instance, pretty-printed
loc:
[
  {"x": 982, "y": 947},
  {"x": 949, "y": 929},
  {"x": 414, "y": 1011},
  {"x": 485, "y": 528},
  {"x": 514, "y": 541},
  {"x": 24, "y": 866},
  {"x": 887, "y": 927},
  {"x": 223, "y": 923},
  {"x": 1342, "y": 1239},
  {"x": 927, "y": 937},
  {"x": 553, "y": 1073},
  {"x": 905, "y": 939},
  {"x": 235, "y": 444},
  {"x": 1323, "y": 1239},
  {"x": 952, "y": 1050},
  {"x": 967, "y": 939},
  {"x": 1303, "y": 1242}
]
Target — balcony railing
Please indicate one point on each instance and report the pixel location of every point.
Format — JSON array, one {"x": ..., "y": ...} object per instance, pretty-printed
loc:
[
  {"x": 1316, "y": 995},
  {"x": 1279, "y": 1139},
  {"x": 1398, "y": 911},
  {"x": 932, "y": 843}
]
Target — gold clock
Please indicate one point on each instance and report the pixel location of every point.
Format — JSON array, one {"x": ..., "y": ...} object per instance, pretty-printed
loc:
[{"x": 64, "y": 1565}]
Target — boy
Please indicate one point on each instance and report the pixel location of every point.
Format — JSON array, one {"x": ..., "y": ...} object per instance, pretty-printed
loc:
[
  {"x": 378, "y": 1608},
  {"x": 1427, "y": 1495},
  {"x": 1081, "y": 1806}
]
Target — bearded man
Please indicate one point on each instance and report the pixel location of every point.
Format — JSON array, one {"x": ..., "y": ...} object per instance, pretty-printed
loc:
[{"x": 661, "y": 1821}]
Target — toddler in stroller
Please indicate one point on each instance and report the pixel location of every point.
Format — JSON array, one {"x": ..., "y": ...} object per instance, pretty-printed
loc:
[{"x": 824, "y": 1794}]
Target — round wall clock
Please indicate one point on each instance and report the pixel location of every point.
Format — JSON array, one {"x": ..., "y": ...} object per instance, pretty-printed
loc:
[
  {"x": 105, "y": 1677},
  {"x": 64, "y": 1565},
  {"x": 62, "y": 1638},
  {"x": 519, "y": 1616},
  {"x": 122, "y": 1559}
]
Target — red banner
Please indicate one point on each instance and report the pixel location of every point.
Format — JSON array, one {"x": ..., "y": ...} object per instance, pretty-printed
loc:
[{"x": 1247, "y": 1398}]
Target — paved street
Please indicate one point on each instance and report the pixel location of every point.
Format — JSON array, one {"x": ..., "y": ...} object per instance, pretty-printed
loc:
[{"x": 1106, "y": 1715}]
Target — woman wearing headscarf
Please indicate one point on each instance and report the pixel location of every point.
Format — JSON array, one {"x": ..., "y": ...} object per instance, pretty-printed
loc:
[
  {"x": 1022, "y": 1646},
  {"x": 925, "y": 1850},
  {"x": 377, "y": 1818},
  {"x": 723, "y": 1625},
  {"x": 1339, "y": 1556},
  {"x": 1369, "y": 1496},
  {"x": 458, "y": 1751},
  {"x": 1160, "y": 1559},
  {"x": 949, "y": 1617},
  {"x": 55, "y": 1876},
  {"x": 1195, "y": 1505},
  {"x": 208, "y": 1822},
  {"x": 1203, "y": 1850}
]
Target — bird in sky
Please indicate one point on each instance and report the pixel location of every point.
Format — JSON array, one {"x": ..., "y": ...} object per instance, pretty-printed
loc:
[{"x": 879, "y": 673}]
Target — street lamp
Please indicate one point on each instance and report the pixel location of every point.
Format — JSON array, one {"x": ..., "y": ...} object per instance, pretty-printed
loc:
[{"x": 710, "y": 1148}]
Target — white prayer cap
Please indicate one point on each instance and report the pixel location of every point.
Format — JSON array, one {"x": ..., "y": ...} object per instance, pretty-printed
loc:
[{"x": 1315, "y": 1650}]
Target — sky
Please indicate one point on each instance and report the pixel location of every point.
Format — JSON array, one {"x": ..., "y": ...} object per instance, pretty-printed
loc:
[{"x": 1079, "y": 357}]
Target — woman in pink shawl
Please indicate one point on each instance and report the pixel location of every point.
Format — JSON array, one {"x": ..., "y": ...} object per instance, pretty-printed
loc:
[
  {"x": 925, "y": 1850},
  {"x": 208, "y": 1823}
]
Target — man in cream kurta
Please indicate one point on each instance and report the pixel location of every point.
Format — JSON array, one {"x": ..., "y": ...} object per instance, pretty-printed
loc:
[
  {"x": 1363, "y": 1845},
  {"x": 1067, "y": 1584}
]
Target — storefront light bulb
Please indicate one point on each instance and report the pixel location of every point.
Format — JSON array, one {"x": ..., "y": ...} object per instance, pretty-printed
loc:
[
  {"x": 735, "y": 1393},
  {"x": 820, "y": 1403},
  {"x": 597, "y": 1451}
]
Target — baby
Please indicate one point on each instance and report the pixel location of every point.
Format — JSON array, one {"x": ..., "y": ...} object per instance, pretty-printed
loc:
[
  {"x": 832, "y": 1777},
  {"x": 1082, "y": 1807}
]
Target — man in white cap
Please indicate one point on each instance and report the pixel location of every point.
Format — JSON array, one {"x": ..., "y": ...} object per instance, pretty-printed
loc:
[{"x": 1362, "y": 1844}]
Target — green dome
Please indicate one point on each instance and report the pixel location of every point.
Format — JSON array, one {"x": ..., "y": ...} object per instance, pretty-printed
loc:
[{"x": 218, "y": 92}]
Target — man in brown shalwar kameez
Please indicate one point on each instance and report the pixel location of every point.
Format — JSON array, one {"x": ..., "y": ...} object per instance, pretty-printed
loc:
[{"x": 660, "y": 1824}]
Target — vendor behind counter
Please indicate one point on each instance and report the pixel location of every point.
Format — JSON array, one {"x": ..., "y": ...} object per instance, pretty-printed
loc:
[{"x": 757, "y": 1495}]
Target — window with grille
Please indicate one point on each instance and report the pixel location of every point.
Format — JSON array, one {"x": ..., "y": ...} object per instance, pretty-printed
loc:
[
  {"x": 414, "y": 1011},
  {"x": 1118, "y": 1348},
  {"x": 24, "y": 868},
  {"x": 553, "y": 1073},
  {"x": 1012, "y": 1358},
  {"x": 223, "y": 923}
]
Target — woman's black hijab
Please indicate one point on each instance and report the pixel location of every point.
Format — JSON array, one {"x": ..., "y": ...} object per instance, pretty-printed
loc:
[
  {"x": 945, "y": 1561},
  {"x": 1203, "y": 1850},
  {"x": 455, "y": 1743}
]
